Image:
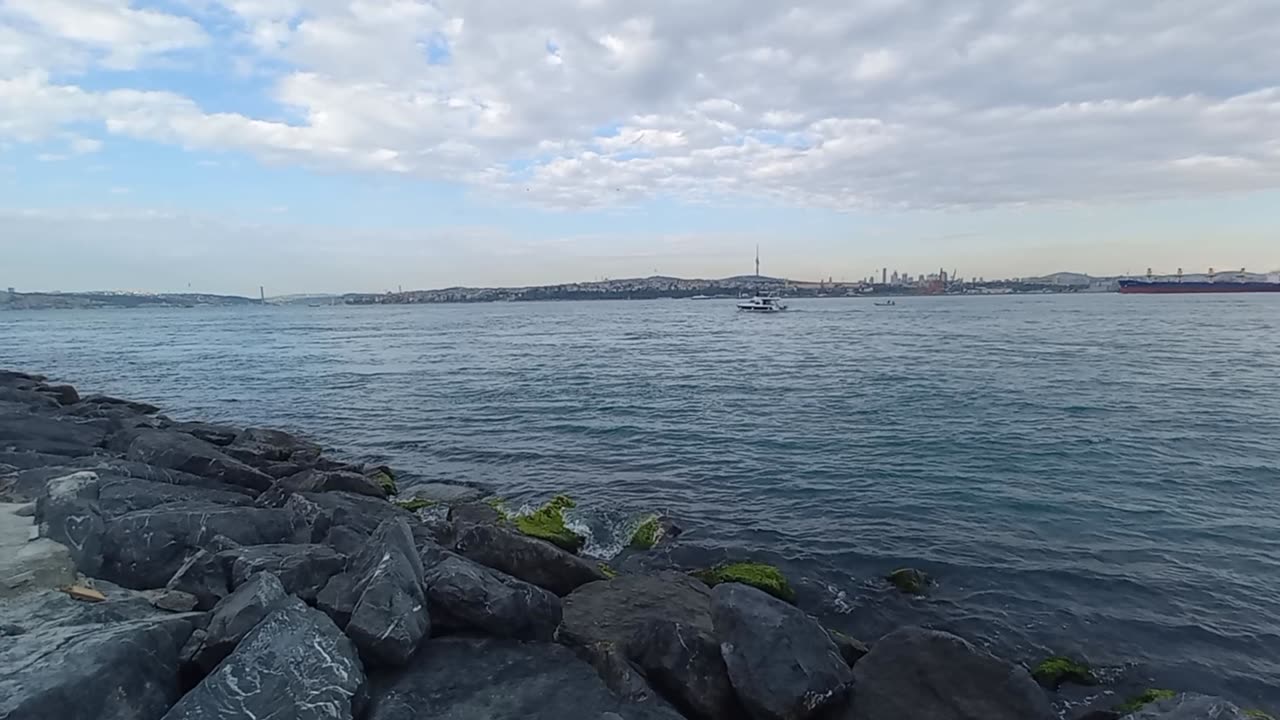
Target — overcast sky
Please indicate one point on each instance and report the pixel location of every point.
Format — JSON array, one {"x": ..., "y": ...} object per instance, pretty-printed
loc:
[{"x": 358, "y": 145}]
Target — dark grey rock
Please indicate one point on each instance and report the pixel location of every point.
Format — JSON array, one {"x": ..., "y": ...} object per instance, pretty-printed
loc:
[
  {"x": 851, "y": 650},
  {"x": 1189, "y": 707},
  {"x": 205, "y": 576},
  {"x": 155, "y": 474},
  {"x": 302, "y": 569},
  {"x": 781, "y": 662},
  {"x": 144, "y": 549},
  {"x": 360, "y": 514},
  {"x": 683, "y": 663},
  {"x": 442, "y": 493},
  {"x": 172, "y": 600},
  {"x": 67, "y": 512},
  {"x": 293, "y": 664},
  {"x": 933, "y": 675},
  {"x": 233, "y": 618},
  {"x": 273, "y": 445},
  {"x": 338, "y": 597},
  {"x": 65, "y": 660},
  {"x": 309, "y": 521},
  {"x": 140, "y": 408},
  {"x": 27, "y": 460},
  {"x": 51, "y": 436},
  {"x": 183, "y": 452},
  {"x": 119, "y": 495},
  {"x": 475, "y": 514},
  {"x": 389, "y": 617},
  {"x": 319, "y": 481},
  {"x": 22, "y": 401},
  {"x": 492, "y": 679},
  {"x": 64, "y": 394},
  {"x": 526, "y": 558},
  {"x": 220, "y": 435},
  {"x": 279, "y": 470},
  {"x": 489, "y": 601}
]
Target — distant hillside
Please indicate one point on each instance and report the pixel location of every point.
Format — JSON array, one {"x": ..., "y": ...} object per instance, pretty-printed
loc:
[{"x": 87, "y": 300}]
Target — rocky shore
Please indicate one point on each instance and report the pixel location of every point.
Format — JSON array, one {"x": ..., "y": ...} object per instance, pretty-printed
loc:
[{"x": 154, "y": 569}]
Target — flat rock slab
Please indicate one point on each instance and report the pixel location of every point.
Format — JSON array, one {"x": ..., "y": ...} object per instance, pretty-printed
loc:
[
  {"x": 29, "y": 565},
  {"x": 294, "y": 664},
  {"x": 66, "y": 660},
  {"x": 459, "y": 678}
]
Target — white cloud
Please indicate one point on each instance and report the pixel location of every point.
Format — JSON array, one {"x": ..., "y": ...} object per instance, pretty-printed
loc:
[{"x": 900, "y": 103}]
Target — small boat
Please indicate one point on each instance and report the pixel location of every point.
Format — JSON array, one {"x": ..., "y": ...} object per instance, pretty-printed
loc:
[
  {"x": 888, "y": 303},
  {"x": 762, "y": 304}
]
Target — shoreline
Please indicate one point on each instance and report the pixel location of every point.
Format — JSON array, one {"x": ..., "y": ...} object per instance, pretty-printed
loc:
[{"x": 217, "y": 517}]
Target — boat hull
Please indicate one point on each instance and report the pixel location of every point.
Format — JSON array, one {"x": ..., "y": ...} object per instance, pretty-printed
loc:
[{"x": 1139, "y": 287}]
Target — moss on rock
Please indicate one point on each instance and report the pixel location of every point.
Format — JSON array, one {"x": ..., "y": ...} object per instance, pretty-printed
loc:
[
  {"x": 414, "y": 504},
  {"x": 1055, "y": 671},
  {"x": 1257, "y": 715},
  {"x": 547, "y": 523},
  {"x": 607, "y": 571},
  {"x": 910, "y": 581},
  {"x": 1137, "y": 702},
  {"x": 647, "y": 534},
  {"x": 385, "y": 479},
  {"x": 758, "y": 575}
]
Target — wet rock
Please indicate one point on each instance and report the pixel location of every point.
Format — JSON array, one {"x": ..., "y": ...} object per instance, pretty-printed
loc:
[
  {"x": 930, "y": 674},
  {"x": 140, "y": 408},
  {"x": 489, "y": 601},
  {"x": 380, "y": 602},
  {"x": 145, "y": 549},
  {"x": 475, "y": 513},
  {"x": 526, "y": 558},
  {"x": 188, "y": 454},
  {"x": 781, "y": 662},
  {"x": 303, "y": 570},
  {"x": 493, "y": 679},
  {"x": 910, "y": 581},
  {"x": 231, "y": 620},
  {"x": 684, "y": 664},
  {"x": 1052, "y": 672},
  {"x": 442, "y": 493},
  {"x": 273, "y": 445},
  {"x": 319, "y": 481},
  {"x": 850, "y": 649},
  {"x": 65, "y": 660},
  {"x": 1189, "y": 707},
  {"x": 293, "y": 664},
  {"x": 613, "y": 610},
  {"x": 63, "y": 394}
]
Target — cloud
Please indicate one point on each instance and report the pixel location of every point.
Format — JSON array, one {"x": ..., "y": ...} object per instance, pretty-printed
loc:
[{"x": 565, "y": 103}]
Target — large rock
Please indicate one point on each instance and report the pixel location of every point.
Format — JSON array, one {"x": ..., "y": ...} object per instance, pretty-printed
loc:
[
  {"x": 526, "y": 558},
  {"x": 612, "y": 610},
  {"x": 67, "y": 512},
  {"x": 274, "y": 445},
  {"x": 302, "y": 569},
  {"x": 491, "y": 679},
  {"x": 65, "y": 660},
  {"x": 132, "y": 406},
  {"x": 233, "y": 618},
  {"x": 442, "y": 493},
  {"x": 380, "y": 602},
  {"x": 359, "y": 514},
  {"x": 781, "y": 662},
  {"x": 318, "y": 481},
  {"x": 487, "y": 600},
  {"x": 933, "y": 675},
  {"x": 145, "y": 549},
  {"x": 220, "y": 435},
  {"x": 50, "y": 436},
  {"x": 120, "y": 495},
  {"x": 180, "y": 451},
  {"x": 684, "y": 664},
  {"x": 294, "y": 664},
  {"x": 1189, "y": 707}
]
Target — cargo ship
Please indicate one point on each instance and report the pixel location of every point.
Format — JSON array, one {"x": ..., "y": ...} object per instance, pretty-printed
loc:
[{"x": 1236, "y": 282}]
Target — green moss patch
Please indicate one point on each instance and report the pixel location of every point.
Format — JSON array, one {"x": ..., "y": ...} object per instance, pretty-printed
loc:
[
  {"x": 910, "y": 581},
  {"x": 1257, "y": 715},
  {"x": 385, "y": 479},
  {"x": 647, "y": 534},
  {"x": 414, "y": 504},
  {"x": 547, "y": 523},
  {"x": 1055, "y": 671},
  {"x": 607, "y": 571},
  {"x": 758, "y": 575},
  {"x": 1137, "y": 702}
]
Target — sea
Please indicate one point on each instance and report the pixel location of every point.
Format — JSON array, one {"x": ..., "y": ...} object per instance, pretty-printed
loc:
[{"x": 1091, "y": 475}]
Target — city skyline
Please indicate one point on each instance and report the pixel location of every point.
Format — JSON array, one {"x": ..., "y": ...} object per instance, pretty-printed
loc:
[{"x": 360, "y": 145}]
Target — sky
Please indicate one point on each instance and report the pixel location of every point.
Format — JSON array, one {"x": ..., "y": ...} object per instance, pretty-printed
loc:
[{"x": 364, "y": 145}]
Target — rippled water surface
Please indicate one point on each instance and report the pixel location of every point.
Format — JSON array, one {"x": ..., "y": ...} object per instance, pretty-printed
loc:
[{"x": 1089, "y": 474}]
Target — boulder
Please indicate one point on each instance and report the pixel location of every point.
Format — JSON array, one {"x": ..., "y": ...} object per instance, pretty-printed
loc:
[
  {"x": 439, "y": 493},
  {"x": 183, "y": 452},
  {"x": 361, "y": 514},
  {"x": 851, "y": 650},
  {"x": 934, "y": 675},
  {"x": 120, "y": 495},
  {"x": 279, "y": 470},
  {"x": 140, "y": 408},
  {"x": 22, "y": 401},
  {"x": 68, "y": 512},
  {"x": 63, "y": 659},
  {"x": 144, "y": 549},
  {"x": 781, "y": 662},
  {"x": 51, "y": 436},
  {"x": 231, "y": 620},
  {"x": 1189, "y": 707},
  {"x": 526, "y": 558},
  {"x": 205, "y": 576},
  {"x": 220, "y": 435},
  {"x": 273, "y": 445},
  {"x": 303, "y": 570},
  {"x": 380, "y": 601},
  {"x": 319, "y": 481},
  {"x": 63, "y": 394},
  {"x": 293, "y": 664},
  {"x": 155, "y": 474},
  {"x": 27, "y": 460},
  {"x": 475, "y": 513},
  {"x": 491, "y": 602},
  {"x": 683, "y": 663},
  {"x": 459, "y": 678}
]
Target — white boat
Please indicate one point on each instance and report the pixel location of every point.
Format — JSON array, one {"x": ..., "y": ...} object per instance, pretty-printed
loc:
[{"x": 762, "y": 304}]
